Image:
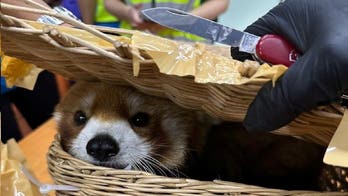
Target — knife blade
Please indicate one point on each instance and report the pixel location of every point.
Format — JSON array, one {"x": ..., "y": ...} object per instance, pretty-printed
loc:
[{"x": 269, "y": 48}]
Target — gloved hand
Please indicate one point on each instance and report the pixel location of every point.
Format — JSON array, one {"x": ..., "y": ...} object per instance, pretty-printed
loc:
[{"x": 319, "y": 30}]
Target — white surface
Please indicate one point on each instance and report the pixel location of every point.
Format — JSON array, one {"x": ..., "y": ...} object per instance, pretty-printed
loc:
[
  {"x": 242, "y": 13},
  {"x": 337, "y": 151}
]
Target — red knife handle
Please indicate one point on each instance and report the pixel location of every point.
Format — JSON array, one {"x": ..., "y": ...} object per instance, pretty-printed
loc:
[{"x": 276, "y": 50}]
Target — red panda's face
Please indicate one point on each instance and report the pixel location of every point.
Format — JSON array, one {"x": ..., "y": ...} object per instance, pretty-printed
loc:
[{"x": 122, "y": 128}]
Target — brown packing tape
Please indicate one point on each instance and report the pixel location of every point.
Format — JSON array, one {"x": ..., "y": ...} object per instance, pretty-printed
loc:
[
  {"x": 184, "y": 59},
  {"x": 180, "y": 59},
  {"x": 13, "y": 181},
  {"x": 17, "y": 72}
]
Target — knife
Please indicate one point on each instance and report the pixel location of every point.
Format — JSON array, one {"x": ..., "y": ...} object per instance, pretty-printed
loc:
[{"x": 269, "y": 48}]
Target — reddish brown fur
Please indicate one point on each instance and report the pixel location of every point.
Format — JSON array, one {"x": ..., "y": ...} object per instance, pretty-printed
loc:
[
  {"x": 169, "y": 123},
  {"x": 229, "y": 152}
]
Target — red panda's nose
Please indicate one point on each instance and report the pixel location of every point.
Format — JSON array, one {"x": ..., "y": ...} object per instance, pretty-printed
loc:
[{"x": 102, "y": 147}]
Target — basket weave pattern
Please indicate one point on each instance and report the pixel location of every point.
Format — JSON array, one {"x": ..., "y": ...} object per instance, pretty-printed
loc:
[{"x": 101, "y": 181}]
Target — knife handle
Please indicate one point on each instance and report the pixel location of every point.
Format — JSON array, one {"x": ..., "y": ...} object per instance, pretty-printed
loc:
[{"x": 276, "y": 50}]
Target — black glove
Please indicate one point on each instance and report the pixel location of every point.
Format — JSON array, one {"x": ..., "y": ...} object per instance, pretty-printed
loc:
[{"x": 319, "y": 31}]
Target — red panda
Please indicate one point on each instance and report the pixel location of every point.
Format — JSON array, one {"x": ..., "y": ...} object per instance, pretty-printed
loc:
[{"x": 120, "y": 127}]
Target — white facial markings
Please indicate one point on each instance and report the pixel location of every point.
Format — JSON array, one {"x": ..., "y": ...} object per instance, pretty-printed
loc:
[{"x": 131, "y": 146}]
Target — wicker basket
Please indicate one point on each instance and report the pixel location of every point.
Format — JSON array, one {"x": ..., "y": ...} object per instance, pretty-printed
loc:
[
  {"x": 95, "y": 180},
  {"x": 78, "y": 59}
]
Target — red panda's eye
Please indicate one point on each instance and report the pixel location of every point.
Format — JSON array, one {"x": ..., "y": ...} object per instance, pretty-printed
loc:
[
  {"x": 140, "y": 119},
  {"x": 80, "y": 118}
]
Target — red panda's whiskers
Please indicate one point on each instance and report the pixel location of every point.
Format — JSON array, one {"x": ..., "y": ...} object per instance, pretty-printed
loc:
[
  {"x": 147, "y": 167},
  {"x": 141, "y": 162},
  {"x": 157, "y": 165}
]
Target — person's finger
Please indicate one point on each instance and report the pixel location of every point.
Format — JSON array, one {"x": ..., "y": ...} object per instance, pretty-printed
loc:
[
  {"x": 281, "y": 20},
  {"x": 318, "y": 77},
  {"x": 138, "y": 6},
  {"x": 306, "y": 84}
]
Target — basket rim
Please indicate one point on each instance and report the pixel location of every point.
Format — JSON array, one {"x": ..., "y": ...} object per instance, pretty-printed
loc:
[{"x": 62, "y": 167}]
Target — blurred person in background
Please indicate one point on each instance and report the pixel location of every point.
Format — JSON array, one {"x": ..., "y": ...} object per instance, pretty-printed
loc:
[
  {"x": 23, "y": 110},
  {"x": 94, "y": 12},
  {"x": 129, "y": 12},
  {"x": 71, "y": 5},
  {"x": 88, "y": 11}
]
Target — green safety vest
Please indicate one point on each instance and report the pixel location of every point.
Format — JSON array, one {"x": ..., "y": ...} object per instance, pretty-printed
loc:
[
  {"x": 101, "y": 15},
  {"x": 185, "y": 5}
]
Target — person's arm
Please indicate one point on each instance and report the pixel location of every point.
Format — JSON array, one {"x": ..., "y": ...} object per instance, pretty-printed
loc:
[
  {"x": 211, "y": 9},
  {"x": 24, "y": 15},
  {"x": 87, "y": 9},
  {"x": 123, "y": 11}
]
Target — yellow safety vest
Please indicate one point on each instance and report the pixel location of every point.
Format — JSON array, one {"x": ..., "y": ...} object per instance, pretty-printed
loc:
[
  {"x": 101, "y": 15},
  {"x": 185, "y": 5}
]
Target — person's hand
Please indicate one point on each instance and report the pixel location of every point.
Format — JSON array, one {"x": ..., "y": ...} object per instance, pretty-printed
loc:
[
  {"x": 319, "y": 31},
  {"x": 134, "y": 17},
  {"x": 150, "y": 26},
  {"x": 139, "y": 23}
]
